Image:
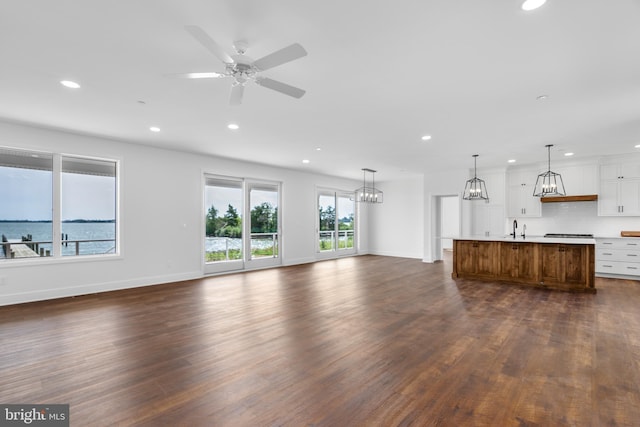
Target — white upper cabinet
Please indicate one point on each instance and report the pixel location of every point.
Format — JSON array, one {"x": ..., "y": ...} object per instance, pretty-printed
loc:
[
  {"x": 630, "y": 170},
  {"x": 520, "y": 187},
  {"x": 619, "y": 193}
]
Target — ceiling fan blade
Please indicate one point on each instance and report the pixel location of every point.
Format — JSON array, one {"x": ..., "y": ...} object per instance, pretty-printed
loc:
[
  {"x": 211, "y": 75},
  {"x": 236, "y": 94},
  {"x": 280, "y": 57},
  {"x": 213, "y": 47},
  {"x": 280, "y": 87}
]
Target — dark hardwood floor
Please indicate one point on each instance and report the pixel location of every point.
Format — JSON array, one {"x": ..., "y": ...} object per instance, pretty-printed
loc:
[{"x": 362, "y": 341}]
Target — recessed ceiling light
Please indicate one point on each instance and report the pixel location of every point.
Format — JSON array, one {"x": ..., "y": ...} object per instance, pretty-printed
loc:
[
  {"x": 532, "y": 4},
  {"x": 154, "y": 129},
  {"x": 568, "y": 154},
  {"x": 542, "y": 97},
  {"x": 318, "y": 149},
  {"x": 305, "y": 161},
  {"x": 426, "y": 137},
  {"x": 69, "y": 84},
  {"x": 511, "y": 161},
  {"x": 637, "y": 145},
  {"x": 233, "y": 126}
]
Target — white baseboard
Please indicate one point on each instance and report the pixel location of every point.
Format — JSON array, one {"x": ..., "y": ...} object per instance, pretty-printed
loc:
[{"x": 46, "y": 294}]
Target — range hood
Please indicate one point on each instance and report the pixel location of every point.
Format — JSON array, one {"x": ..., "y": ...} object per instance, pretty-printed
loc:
[{"x": 558, "y": 199}]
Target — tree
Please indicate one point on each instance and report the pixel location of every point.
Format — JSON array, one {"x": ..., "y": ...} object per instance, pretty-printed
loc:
[
  {"x": 231, "y": 217},
  {"x": 232, "y": 224},
  {"x": 212, "y": 221},
  {"x": 346, "y": 223},
  {"x": 264, "y": 218},
  {"x": 327, "y": 218}
]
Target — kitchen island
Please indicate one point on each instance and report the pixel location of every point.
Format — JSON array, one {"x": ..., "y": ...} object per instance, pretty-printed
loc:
[{"x": 554, "y": 263}]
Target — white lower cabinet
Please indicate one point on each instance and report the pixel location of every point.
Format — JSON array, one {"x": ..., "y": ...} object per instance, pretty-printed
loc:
[{"x": 618, "y": 257}]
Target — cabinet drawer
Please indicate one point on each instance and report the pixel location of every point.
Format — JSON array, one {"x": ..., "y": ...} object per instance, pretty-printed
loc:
[
  {"x": 624, "y": 255},
  {"x": 622, "y": 243},
  {"x": 618, "y": 267}
]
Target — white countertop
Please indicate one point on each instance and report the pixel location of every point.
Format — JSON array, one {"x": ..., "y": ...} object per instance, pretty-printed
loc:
[{"x": 530, "y": 239}]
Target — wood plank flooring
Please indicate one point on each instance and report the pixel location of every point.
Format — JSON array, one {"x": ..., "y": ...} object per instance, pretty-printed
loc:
[{"x": 362, "y": 341}]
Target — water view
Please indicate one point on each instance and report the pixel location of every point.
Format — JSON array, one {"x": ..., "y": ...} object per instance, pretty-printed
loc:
[{"x": 91, "y": 236}]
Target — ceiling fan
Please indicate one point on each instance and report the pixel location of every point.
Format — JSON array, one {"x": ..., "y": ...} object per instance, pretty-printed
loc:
[{"x": 244, "y": 69}]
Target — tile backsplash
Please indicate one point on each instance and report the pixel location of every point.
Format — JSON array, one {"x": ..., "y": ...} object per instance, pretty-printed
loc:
[{"x": 575, "y": 217}]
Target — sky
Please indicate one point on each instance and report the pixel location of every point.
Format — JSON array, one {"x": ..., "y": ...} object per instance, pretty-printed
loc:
[
  {"x": 221, "y": 197},
  {"x": 26, "y": 194}
]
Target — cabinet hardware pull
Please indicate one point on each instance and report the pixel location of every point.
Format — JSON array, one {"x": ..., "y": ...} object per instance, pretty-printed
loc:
[
  {"x": 632, "y": 268},
  {"x": 609, "y": 266},
  {"x": 632, "y": 254},
  {"x": 632, "y": 244},
  {"x": 607, "y": 243},
  {"x": 606, "y": 253}
]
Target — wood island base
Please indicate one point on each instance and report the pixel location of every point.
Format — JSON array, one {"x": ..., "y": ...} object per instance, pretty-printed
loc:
[{"x": 561, "y": 266}]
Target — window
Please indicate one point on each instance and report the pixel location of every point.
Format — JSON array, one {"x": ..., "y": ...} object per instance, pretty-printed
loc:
[
  {"x": 26, "y": 204},
  {"x": 54, "y": 205},
  {"x": 88, "y": 206},
  {"x": 336, "y": 222}
]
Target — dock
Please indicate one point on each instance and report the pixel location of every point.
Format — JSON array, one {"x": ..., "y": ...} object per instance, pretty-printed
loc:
[{"x": 21, "y": 248}]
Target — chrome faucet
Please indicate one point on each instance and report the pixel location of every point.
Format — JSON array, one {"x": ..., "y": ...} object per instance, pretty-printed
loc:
[
  {"x": 515, "y": 225},
  {"x": 524, "y": 229}
]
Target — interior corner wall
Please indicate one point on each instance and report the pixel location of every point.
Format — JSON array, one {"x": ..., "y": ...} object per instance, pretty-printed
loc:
[
  {"x": 439, "y": 184},
  {"x": 161, "y": 216},
  {"x": 396, "y": 226}
]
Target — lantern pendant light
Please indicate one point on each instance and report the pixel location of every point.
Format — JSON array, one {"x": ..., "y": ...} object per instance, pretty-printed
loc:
[
  {"x": 368, "y": 193},
  {"x": 549, "y": 183},
  {"x": 475, "y": 188}
]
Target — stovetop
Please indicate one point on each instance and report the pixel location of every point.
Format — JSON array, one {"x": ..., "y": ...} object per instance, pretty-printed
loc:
[{"x": 569, "y": 235}]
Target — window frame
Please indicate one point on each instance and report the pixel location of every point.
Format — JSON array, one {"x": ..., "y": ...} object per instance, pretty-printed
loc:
[{"x": 56, "y": 256}]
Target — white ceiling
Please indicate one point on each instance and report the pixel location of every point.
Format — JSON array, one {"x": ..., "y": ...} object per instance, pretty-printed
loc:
[{"x": 378, "y": 76}]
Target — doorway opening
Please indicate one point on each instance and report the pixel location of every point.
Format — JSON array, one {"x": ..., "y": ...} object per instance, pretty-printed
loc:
[{"x": 447, "y": 224}]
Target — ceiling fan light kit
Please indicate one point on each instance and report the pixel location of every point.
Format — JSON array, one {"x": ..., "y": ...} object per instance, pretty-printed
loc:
[{"x": 243, "y": 69}]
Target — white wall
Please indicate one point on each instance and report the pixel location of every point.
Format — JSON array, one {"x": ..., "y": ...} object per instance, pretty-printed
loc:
[
  {"x": 161, "y": 217},
  {"x": 396, "y": 227}
]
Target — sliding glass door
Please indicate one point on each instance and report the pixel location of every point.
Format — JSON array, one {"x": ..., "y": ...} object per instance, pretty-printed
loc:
[
  {"x": 336, "y": 223},
  {"x": 223, "y": 244},
  {"x": 264, "y": 224},
  {"x": 242, "y": 224}
]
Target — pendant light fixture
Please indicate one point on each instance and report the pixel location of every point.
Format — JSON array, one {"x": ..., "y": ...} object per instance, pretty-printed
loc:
[
  {"x": 549, "y": 183},
  {"x": 368, "y": 193},
  {"x": 475, "y": 188}
]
